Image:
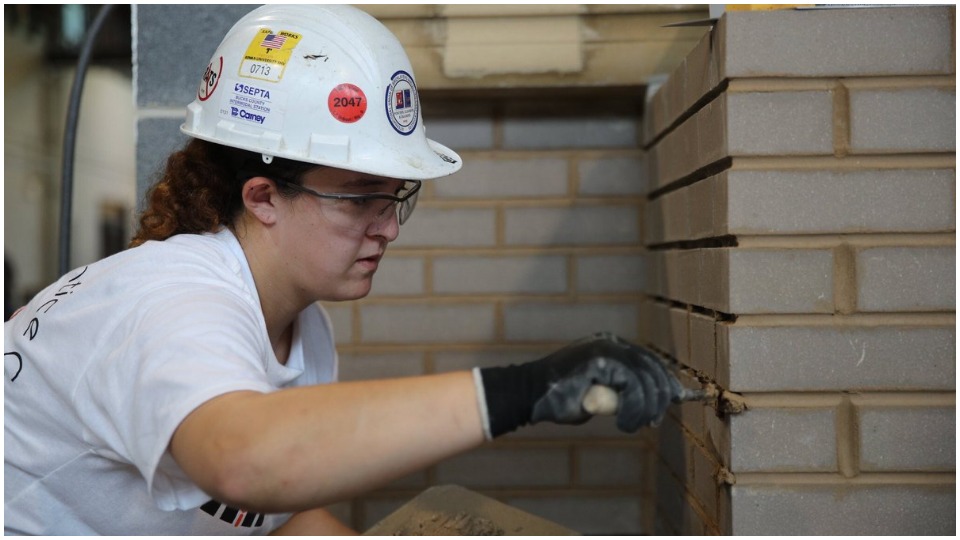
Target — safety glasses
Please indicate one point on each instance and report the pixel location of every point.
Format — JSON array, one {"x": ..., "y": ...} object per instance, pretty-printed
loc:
[{"x": 358, "y": 211}]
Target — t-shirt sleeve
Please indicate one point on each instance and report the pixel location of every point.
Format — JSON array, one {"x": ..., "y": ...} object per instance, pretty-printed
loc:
[{"x": 178, "y": 350}]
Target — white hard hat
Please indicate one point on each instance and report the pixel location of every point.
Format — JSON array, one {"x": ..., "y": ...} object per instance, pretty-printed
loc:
[{"x": 320, "y": 84}]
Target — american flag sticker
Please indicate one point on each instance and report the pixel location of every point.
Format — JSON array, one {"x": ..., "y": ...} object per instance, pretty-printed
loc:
[{"x": 273, "y": 41}]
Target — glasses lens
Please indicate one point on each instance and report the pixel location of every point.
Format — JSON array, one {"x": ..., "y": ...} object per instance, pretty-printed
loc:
[{"x": 359, "y": 213}]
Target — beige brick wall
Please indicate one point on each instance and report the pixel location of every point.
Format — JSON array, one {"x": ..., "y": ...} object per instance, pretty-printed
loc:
[
  {"x": 800, "y": 227},
  {"x": 538, "y": 241}
]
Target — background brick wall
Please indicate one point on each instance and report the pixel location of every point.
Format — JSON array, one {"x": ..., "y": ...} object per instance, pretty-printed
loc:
[
  {"x": 538, "y": 241},
  {"x": 800, "y": 230}
]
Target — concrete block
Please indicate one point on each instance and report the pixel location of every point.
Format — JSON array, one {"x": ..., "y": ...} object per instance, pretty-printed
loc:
[
  {"x": 529, "y": 321},
  {"x": 503, "y": 467},
  {"x": 780, "y": 123},
  {"x": 705, "y": 209},
  {"x": 838, "y": 42},
  {"x": 812, "y": 358},
  {"x": 527, "y": 132},
  {"x": 906, "y": 279},
  {"x": 612, "y": 176},
  {"x": 420, "y": 323},
  {"x": 671, "y": 504},
  {"x": 498, "y": 178},
  {"x": 610, "y": 273},
  {"x": 798, "y": 202},
  {"x": 399, "y": 276},
  {"x": 602, "y": 466},
  {"x": 462, "y": 227},
  {"x": 908, "y": 438},
  {"x": 544, "y": 274},
  {"x": 579, "y": 225},
  {"x": 653, "y": 222},
  {"x": 169, "y": 67},
  {"x": 674, "y": 448},
  {"x": 358, "y": 367},
  {"x": 843, "y": 509},
  {"x": 784, "y": 440},
  {"x": 156, "y": 139},
  {"x": 717, "y": 440},
  {"x": 676, "y": 219},
  {"x": 779, "y": 281},
  {"x": 903, "y": 120},
  {"x": 596, "y": 514}
]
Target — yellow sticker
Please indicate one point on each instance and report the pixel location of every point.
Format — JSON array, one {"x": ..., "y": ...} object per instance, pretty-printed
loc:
[{"x": 267, "y": 55}]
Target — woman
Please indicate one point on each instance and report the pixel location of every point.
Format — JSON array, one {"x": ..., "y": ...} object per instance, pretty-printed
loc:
[{"x": 180, "y": 387}]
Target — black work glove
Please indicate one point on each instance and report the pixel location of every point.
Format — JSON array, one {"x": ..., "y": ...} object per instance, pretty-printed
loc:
[{"x": 553, "y": 387}]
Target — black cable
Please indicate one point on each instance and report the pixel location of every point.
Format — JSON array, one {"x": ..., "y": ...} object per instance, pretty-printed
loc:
[{"x": 70, "y": 138}]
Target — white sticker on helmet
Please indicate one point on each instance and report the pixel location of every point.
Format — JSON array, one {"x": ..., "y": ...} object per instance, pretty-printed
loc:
[
  {"x": 402, "y": 103},
  {"x": 253, "y": 105}
]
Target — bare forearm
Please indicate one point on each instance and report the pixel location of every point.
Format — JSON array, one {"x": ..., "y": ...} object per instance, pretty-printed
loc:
[{"x": 307, "y": 447}]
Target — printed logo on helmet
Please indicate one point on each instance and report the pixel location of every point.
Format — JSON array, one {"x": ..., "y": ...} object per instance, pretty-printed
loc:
[
  {"x": 402, "y": 103},
  {"x": 347, "y": 103},
  {"x": 211, "y": 77}
]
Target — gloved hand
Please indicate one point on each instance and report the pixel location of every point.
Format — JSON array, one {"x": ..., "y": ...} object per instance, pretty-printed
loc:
[{"x": 553, "y": 387}]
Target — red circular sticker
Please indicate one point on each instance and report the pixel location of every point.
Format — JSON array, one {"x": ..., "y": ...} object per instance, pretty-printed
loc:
[{"x": 347, "y": 103}]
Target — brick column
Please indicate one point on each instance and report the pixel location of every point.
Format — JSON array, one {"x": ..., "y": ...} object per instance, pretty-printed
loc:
[{"x": 800, "y": 228}]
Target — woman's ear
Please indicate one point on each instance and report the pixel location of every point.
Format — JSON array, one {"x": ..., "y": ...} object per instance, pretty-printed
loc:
[{"x": 259, "y": 198}]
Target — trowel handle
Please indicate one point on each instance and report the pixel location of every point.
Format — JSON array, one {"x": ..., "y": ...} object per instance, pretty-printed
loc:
[
  {"x": 603, "y": 399},
  {"x": 600, "y": 400}
]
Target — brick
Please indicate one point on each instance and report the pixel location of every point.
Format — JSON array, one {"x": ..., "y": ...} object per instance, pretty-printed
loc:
[
  {"x": 567, "y": 322},
  {"x": 463, "y": 127},
  {"x": 398, "y": 276},
  {"x": 586, "y": 514},
  {"x": 676, "y": 218},
  {"x": 780, "y": 123},
  {"x": 168, "y": 67},
  {"x": 784, "y": 440},
  {"x": 357, "y": 367},
  {"x": 543, "y": 274},
  {"x": 843, "y": 509},
  {"x": 812, "y": 358},
  {"x": 418, "y": 323},
  {"x": 703, "y": 345},
  {"x": 741, "y": 281},
  {"x": 653, "y": 222},
  {"x": 903, "y": 120},
  {"x": 906, "y": 279},
  {"x": 673, "y": 447},
  {"x": 556, "y": 132},
  {"x": 501, "y": 467},
  {"x": 612, "y": 176},
  {"x": 908, "y": 439},
  {"x": 797, "y": 202},
  {"x": 341, "y": 318},
  {"x": 499, "y": 177},
  {"x": 704, "y": 484},
  {"x": 696, "y": 143},
  {"x": 462, "y": 227},
  {"x": 705, "y": 209},
  {"x": 779, "y": 281},
  {"x": 579, "y": 225},
  {"x": 670, "y": 498},
  {"x": 838, "y": 42},
  {"x": 610, "y": 273},
  {"x": 603, "y": 466}
]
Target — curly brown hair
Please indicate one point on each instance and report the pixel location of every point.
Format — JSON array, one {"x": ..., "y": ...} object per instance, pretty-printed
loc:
[{"x": 199, "y": 190}]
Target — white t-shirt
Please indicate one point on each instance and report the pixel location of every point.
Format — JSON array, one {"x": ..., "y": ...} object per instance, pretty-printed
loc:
[{"x": 102, "y": 366}]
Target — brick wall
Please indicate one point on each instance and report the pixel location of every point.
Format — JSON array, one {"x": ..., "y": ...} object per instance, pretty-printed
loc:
[
  {"x": 537, "y": 241},
  {"x": 800, "y": 234}
]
